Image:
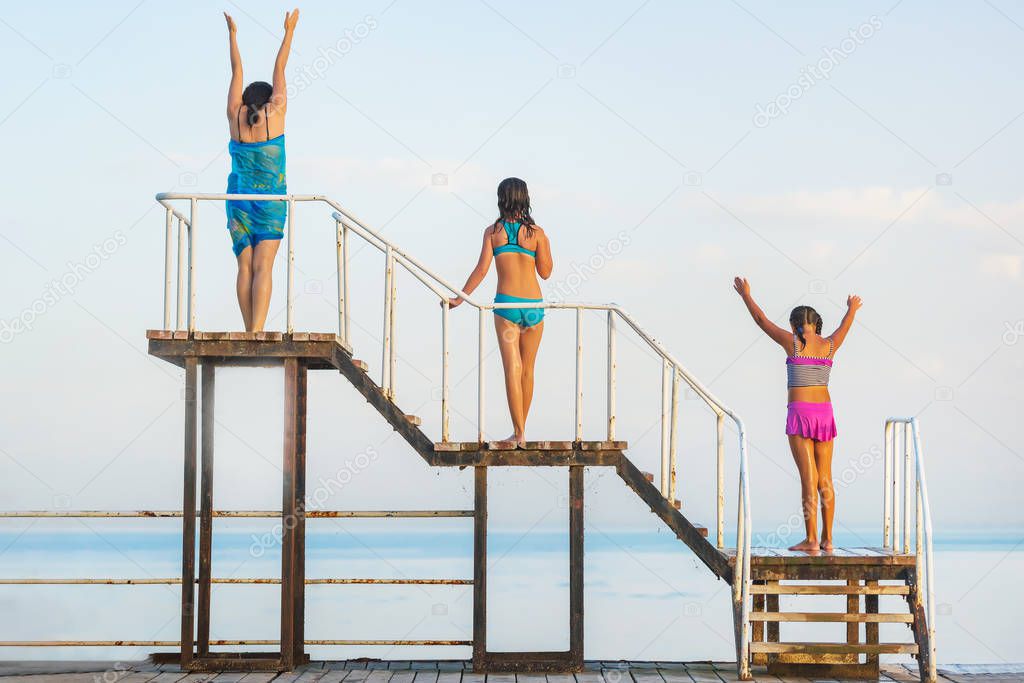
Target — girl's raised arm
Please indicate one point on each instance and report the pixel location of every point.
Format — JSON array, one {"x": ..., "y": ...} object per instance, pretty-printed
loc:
[
  {"x": 235, "y": 88},
  {"x": 279, "y": 98},
  {"x": 853, "y": 304},
  {"x": 483, "y": 264},
  {"x": 782, "y": 337}
]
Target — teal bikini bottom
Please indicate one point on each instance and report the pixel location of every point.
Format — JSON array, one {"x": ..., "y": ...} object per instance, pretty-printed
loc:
[{"x": 524, "y": 317}]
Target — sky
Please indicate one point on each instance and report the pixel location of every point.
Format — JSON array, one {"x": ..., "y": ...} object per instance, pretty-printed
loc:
[{"x": 819, "y": 149}]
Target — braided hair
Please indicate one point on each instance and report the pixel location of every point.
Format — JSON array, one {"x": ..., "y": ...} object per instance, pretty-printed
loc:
[{"x": 804, "y": 315}]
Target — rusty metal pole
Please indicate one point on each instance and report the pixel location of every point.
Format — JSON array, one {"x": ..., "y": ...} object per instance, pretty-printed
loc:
[
  {"x": 576, "y": 567},
  {"x": 479, "y": 568},
  {"x": 188, "y": 521},
  {"x": 205, "y": 510}
]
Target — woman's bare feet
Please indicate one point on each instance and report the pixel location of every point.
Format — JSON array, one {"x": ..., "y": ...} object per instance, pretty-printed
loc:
[
  {"x": 806, "y": 544},
  {"x": 826, "y": 545},
  {"x": 513, "y": 440}
]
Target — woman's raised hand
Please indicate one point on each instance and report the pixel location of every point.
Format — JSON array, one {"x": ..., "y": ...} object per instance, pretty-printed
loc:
[
  {"x": 291, "y": 19},
  {"x": 231, "y": 23},
  {"x": 854, "y": 302},
  {"x": 741, "y": 286}
]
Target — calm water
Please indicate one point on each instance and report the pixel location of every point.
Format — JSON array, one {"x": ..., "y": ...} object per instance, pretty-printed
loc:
[{"x": 647, "y": 597}]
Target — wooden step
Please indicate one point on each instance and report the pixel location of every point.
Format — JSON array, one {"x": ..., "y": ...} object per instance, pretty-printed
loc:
[
  {"x": 677, "y": 504},
  {"x": 833, "y": 617},
  {"x": 414, "y": 420},
  {"x": 361, "y": 364},
  {"x": 648, "y": 476},
  {"x": 796, "y": 589},
  {"x": 835, "y": 648}
]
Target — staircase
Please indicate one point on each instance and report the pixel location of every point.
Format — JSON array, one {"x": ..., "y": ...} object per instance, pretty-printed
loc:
[{"x": 760, "y": 577}]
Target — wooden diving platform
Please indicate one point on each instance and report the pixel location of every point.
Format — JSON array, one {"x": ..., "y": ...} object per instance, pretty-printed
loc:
[{"x": 853, "y": 574}]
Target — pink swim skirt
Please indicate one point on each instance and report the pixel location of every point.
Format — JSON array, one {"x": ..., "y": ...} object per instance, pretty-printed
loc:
[{"x": 811, "y": 420}]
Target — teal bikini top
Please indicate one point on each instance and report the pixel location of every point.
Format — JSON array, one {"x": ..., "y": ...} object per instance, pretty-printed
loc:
[{"x": 512, "y": 231}]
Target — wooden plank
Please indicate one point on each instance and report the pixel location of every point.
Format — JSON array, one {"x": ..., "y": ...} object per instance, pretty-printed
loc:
[
  {"x": 835, "y": 648},
  {"x": 775, "y": 588},
  {"x": 603, "y": 445},
  {"x": 479, "y": 569},
  {"x": 206, "y": 509},
  {"x": 832, "y": 617},
  {"x": 159, "y": 334},
  {"x": 188, "y": 522},
  {"x": 522, "y": 457},
  {"x": 576, "y": 550},
  {"x": 425, "y": 676}
]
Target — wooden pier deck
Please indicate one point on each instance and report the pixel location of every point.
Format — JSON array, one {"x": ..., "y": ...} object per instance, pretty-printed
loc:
[{"x": 438, "y": 671}]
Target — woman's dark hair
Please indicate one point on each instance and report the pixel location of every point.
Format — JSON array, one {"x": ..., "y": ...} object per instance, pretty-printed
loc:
[
  {"x": 804, "y": 315},
  {"x": 514, "y": 203},
  {"x": 255, "y": 97}
]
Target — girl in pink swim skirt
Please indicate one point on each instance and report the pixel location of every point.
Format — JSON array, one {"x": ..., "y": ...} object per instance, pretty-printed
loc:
[{"x": 810, "y": 424}]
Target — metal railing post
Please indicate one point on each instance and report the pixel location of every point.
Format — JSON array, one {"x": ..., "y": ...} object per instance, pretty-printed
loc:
[
  {"x": 393, "y": 358},
  {"x": 342, "y": 274},
  {"x": 180, "y": 321},
  {"x": 579, "y": 374},
  {"x": 664, "y": 426},
  {"x": 480, "y": 377},
  {"x": 192, "y": 265},
  {"x": 168, "y": 261},
  {"x": 445, "y": 308},
  {"x": 385, "y": 362},
  {"x": 886, "y": 487},
  {"x": 290, "y": 316},
  {"x": 720, "y": 456},
  {"x": 673, "y": 437},
  {"x": 611, "y": 375},
  {"x": 907, "y": 487}
]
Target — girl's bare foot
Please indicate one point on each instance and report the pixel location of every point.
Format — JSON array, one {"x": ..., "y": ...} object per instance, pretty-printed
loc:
[
  {"x": 806, "y": 544},
  {"x": 827, "y": 546},
  {"x": 508, "y": 442}
]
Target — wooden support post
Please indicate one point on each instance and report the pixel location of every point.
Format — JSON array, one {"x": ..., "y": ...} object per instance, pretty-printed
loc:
[
  {"x": 576, "y": 547},
  {"x": 853, "y": 607},
  {"x": 871, "y": 629},
  {"x": 205, "y": 510},
  {"x": 758, "y": 627},
  {"x": 293, "y": 515},
  {"x": 188, "y": 519},
  {"x": 479, "y": 569},
  {"x": 772, "y": 605}
]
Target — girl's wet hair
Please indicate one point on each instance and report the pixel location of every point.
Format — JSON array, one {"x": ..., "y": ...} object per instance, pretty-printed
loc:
[
  {"x": 254, "y": 98},
  {"x": 804, "y": 315},
  {"x": 514, "y": 203}
]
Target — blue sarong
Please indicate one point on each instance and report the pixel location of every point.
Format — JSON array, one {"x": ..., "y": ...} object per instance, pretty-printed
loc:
[{"x": 256, "y": 168}]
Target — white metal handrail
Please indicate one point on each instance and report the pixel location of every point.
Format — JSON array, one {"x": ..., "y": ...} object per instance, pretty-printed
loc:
[
  {"x": 346, "y": 223},
  {"x": 906, "y": 431}
]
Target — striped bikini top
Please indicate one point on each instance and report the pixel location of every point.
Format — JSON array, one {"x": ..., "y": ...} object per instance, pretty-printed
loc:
[
  {"x": 808, "y": 371},
  {"x": 513, "y": 246}
]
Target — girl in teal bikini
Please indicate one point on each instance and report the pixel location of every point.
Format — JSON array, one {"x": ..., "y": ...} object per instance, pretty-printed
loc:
[
  {"x": 256, "y": 122},
  {"x": 520, "y": 251}
]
